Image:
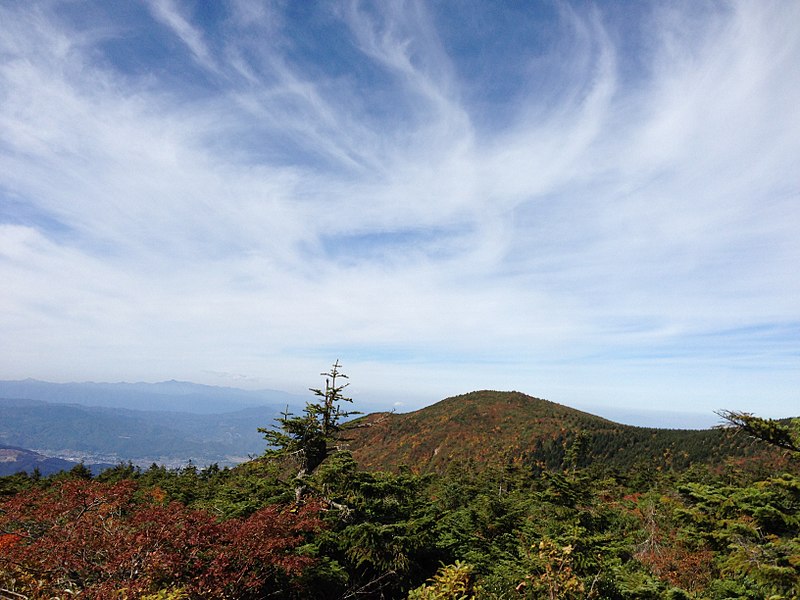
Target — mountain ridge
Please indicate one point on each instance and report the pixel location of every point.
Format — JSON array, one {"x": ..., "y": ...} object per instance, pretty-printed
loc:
[
  {"x": 494, "y": 427},
  {"x": 485, "y": 425}
]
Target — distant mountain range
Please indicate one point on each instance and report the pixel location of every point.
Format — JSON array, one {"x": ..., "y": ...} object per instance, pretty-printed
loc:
[
  {"x": 174, "y": 396},
  {"x": 167, "y": 423},
  {"x": 511, "y": 428},
  {"x": 100, "y": 434}
]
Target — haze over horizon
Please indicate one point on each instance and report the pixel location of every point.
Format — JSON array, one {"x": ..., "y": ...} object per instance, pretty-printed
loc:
[
  {"x": 182, "y": 397},
  {"x": 593, "y": 203}
]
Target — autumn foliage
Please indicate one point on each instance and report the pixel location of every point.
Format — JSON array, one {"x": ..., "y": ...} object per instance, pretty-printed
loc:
[
  {"x": 106, "y": 541},
  {"x": 521, "y": 528}
]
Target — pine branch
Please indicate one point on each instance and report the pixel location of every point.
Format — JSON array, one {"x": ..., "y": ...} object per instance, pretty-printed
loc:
[{"x": 768, "y": 430}]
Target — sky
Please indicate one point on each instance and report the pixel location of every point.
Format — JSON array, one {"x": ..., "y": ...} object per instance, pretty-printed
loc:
[{"x": 593, "y": 203}]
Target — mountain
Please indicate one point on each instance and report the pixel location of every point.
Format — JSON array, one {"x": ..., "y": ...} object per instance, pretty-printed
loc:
[
  {"x": 15, "y": 460},
  {"x": 176, "y": 396},
  {"x": 490, "y": 427},
  {"x": 101, "y": 434},
  {"x": 480, "y": 427},
  {"x": 170, "y": 422}
]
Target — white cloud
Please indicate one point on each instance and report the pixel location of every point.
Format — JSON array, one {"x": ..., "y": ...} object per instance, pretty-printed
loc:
[
  {"x": 168, "y": 13},
  {"x": 159, "y": 231}
]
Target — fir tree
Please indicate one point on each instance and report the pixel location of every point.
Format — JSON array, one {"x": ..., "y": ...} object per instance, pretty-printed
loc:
[{"x": 310, "y": 438}]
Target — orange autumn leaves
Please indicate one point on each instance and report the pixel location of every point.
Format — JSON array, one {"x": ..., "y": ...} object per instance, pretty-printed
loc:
[{"x": 101, "y": 538}]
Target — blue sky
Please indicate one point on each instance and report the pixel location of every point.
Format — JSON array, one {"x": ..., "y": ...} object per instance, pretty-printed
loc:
[{"x": 598, "y": 204}]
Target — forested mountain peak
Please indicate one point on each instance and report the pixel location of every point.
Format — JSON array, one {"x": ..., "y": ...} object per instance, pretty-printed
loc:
[
  {"x": 493, "y": 405},
  {"x": 495, "y": 427}
]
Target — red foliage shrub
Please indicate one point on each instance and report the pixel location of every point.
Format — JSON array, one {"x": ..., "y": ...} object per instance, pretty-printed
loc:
[
  {"x": 680, "y": 566},
  {"x": 98, "y": 538}
]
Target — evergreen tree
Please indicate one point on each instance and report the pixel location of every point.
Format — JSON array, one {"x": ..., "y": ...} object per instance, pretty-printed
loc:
[{"x": 310, "y": 438}]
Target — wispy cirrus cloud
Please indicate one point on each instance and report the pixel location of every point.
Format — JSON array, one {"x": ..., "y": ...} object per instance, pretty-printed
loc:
[
  {"x": 191, "y": 189},
  {"x": 168, "y": 13}
]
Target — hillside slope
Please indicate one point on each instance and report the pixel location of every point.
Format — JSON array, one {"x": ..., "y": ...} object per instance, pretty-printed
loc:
[{"x": 490, "y": 427}]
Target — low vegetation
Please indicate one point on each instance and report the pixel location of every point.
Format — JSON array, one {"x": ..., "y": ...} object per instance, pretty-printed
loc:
[{"x": 307, "y": 520}]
